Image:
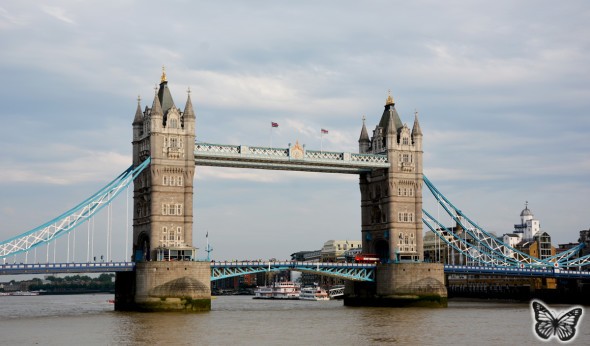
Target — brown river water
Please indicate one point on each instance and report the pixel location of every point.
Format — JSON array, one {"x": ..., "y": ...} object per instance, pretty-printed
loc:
[{"x": 241, "y": 320}]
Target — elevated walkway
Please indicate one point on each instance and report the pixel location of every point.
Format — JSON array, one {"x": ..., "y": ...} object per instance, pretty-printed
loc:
[{"x": 294, "y": 158}]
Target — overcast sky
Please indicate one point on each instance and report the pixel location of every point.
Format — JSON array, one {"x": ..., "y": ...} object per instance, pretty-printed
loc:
[{"x": 502, "y": 89}]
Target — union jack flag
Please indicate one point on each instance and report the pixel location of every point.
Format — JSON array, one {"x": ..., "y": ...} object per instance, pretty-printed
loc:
[
  {"x": 273, "y": 124},
  {"x": 324, "y": 131}
]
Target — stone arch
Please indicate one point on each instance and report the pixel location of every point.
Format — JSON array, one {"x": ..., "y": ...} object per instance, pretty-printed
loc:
[
  {"x": 142, "y": 249},
  {"x": 382, "y": 249}
]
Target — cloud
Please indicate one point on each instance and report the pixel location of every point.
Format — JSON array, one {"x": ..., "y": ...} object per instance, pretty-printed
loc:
[
  {"x": 73, "y": 166},
  {"x": 502, "y": 96},
  {"x": 58, "y": 13}
]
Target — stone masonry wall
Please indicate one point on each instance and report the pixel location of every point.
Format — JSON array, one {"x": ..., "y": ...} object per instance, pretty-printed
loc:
[{"x": 411, "y": 279}]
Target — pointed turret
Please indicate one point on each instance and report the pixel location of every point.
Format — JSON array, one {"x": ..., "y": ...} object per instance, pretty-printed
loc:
[
  {"x": 390, "y": 113},
  {"x": 164, "y": 95},
  {"x": 364, "y": 141},
  {"x": 138, "y": 114},
  {"x": 156, "y": 107},
  {"x": 391, "y": 132},
  {"x": 416, "y": 131},
  {"x": 189, "y": 113}
]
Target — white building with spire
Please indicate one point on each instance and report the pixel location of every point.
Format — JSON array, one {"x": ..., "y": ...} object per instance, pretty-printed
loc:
[{"x": 527, "y": 232}]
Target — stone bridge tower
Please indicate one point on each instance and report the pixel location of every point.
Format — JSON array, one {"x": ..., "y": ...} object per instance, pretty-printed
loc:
[
  {"x": 391, "y": 199},
  {"x": 163, "y": 195},
  {"x": 391, "y": 217},
  {"x": 167, "y": 275}
]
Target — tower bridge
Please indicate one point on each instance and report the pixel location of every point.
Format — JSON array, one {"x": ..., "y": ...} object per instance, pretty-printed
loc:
[{"x": 165, "y": 273}]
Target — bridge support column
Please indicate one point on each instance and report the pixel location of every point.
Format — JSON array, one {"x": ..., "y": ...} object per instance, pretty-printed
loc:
[
  {"x": 400, "y": 285},
  {"x": 165, "y": 286}
]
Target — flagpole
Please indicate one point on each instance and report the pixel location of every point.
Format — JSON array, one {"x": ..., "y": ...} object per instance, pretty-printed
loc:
[
  {"x": 208, "y": 252},
  {"x": 271, "y": 127},
  {"x": 321, "y": 140}
]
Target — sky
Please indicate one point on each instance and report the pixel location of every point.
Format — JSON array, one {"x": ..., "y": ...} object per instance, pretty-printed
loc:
[{"x": 502, "y": 91}]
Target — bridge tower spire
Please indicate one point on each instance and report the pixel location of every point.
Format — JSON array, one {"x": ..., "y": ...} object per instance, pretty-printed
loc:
[
  {"x": 167, "y": 277},
  {"x": 391, "y": 219}
]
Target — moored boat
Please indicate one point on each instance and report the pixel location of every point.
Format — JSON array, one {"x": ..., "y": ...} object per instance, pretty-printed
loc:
[
  {"x": 313, "y": 293},
  {"x": 25, "y": 293},
  {"x": 278, "y": 290}
]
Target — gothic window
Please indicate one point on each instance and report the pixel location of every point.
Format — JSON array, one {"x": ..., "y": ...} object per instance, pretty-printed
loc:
[
  {"x": 399, "y": 191},
  {"x": 172, "y": 180},
  {"x": 179, "y": 209},
  {"x": 405, "y": 217},
  {"x": 165, "y": 180},
  {"x": 405, "y": 141},
  {"x": 180, "y": 181},
  {"x": 173, "y": 123},
  {"x": 164, "y": 209}
]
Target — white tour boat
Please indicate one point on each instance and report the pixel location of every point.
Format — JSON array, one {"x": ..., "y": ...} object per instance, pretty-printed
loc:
[
  {"x": 313, "y": 293},
  {"x": 278, "y": 290}
]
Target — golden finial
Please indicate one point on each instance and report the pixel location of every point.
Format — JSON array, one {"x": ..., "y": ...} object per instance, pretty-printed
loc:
[
  {"x": 188, "y": 91},
  {"x": 389, "y": 100},
  {"x": 163, "y": 79},
  {"x": 138, "y": 99},
  {"x": 364, "y": 118}
]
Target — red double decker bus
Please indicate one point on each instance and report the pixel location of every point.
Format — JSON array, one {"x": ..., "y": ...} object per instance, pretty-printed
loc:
[{"x": 366, "y": 258}]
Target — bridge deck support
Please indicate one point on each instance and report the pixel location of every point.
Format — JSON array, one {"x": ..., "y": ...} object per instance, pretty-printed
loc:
[
  {"x": 165, "y": 286},
  {"x": 400, "y": 285}
]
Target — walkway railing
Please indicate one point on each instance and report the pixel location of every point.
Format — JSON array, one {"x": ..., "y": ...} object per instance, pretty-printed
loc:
[
  {"x": 522, "y": 272},
  {"x": 294, "y": 158},
  {"x": 347, "y": 271},
  {"x": 55, "y": 268}
]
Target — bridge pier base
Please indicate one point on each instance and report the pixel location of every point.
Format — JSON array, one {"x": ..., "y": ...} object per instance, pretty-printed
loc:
[
  {"x": 165, "y": 286},
  {"x": 400, "y": 285}
]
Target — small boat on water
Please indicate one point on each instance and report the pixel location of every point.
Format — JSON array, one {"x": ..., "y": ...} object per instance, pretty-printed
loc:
[
  {"x": 24, "y": 293},
  {"x": 278, "y": 290},
  {"x": 313, "y": 293}
]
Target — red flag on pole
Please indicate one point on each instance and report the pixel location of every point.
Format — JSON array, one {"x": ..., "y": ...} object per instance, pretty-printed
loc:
[
  {"x": 324, "y": 131},
  {"x": 273, "y": 124}
]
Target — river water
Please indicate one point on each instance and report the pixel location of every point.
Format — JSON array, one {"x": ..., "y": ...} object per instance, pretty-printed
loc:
[{"x": 241, "y": 320}]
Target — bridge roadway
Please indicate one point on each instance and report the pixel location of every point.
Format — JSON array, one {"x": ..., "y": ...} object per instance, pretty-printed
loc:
[{"x": 347, "y": 271}]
